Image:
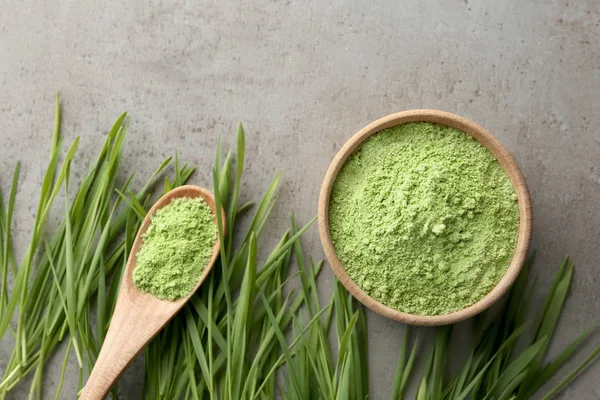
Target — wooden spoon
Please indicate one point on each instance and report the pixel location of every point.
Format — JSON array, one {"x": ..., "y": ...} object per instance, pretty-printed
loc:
[{"x": 139, "y": 316}]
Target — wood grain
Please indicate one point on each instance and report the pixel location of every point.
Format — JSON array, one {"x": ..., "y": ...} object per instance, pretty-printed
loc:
[
  {"x": 504, "y": 158},
  {"x": 139, "y": 316}
]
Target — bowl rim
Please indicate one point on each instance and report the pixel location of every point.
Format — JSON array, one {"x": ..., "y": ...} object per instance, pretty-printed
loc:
[{"x": 506, "y": 161}]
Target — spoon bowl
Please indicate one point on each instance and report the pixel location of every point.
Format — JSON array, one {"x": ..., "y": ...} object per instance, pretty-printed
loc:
[{"x": 139, "y": 316}]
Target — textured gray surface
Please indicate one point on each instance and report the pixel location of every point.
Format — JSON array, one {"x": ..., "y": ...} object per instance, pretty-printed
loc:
[{"x": 304, "y": 76}]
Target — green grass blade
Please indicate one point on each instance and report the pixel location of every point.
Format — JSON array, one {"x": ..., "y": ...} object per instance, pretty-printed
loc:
[
  {"x": 56, "y": 131},
  {"x": 476, "y": 379},
  {"x": 194, "y": 336},
  {"x": 63, "y": 370},
  {"x": 101, "y": 304},
  {"x": 136, "y": 207},
  {"x": 552, "y": 310},
  {"x": 7, "y": 242},
  {"x": 551, "y": 368},
  {"x": 515, "y": 368},
  {"x": 284, "y": 248},
  {"x": 508, "y": 391},
  {"x": 345, "y": 382},
  {"x": 404, "y": 366},
  {"x": 177, "y": 174},
  {"x": 462, "y": 376},
  {"x": 345, "y": 340},
  {"x": 263, "y": 207},
  {"x": 284, "y": 346},
  {"x": 241, "y": 321},
  {"x": 555, "y": 303},
  {"x": 205, "y": 317},
  {"x": 70, "y": 278},
  {"x": 548, "y": 301},
  {"x": 56, "y": 280},
  {"x": 439, "y": 360},
  {"x": 572, "y": 375}
]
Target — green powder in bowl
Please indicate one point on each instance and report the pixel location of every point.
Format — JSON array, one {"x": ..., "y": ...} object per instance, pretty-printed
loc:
[
  {"x": 175, "y": 249},
  {"x": 423, "y": 218}
]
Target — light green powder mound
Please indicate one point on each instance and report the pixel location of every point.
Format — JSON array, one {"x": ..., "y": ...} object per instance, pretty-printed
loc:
[
  {"x": 424, "y": 219},
  {"x": 175, "y": 249}
]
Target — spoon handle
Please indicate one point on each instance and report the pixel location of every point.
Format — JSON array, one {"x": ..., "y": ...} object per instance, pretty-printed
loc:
[{"x": 133, "y": 325}]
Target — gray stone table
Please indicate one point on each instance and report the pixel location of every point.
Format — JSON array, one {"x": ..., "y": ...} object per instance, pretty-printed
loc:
[{"x": 304, "y": 76}]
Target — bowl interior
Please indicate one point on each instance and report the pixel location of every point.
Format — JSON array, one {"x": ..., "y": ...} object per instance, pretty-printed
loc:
[{"x": 505, "y": 160}]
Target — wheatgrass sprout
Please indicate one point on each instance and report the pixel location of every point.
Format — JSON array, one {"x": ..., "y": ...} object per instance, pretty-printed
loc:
[
  {"x": 55, "y": 284},
  {"x": 243, "y": 335}
]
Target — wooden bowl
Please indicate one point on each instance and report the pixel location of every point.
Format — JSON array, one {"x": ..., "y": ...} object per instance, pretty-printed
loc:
[{"x": 506, "y": 161}]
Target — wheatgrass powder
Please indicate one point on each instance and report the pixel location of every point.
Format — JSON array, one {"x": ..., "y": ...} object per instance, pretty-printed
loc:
[
  {"x": 424, "y": 219},
  {"x": 175, "y": 249}
]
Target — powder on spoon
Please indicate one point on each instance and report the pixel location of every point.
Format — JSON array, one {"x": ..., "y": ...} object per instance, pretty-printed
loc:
[
  {"x": 175, "y": 249},
  {"x": 424, "y": 219}
]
